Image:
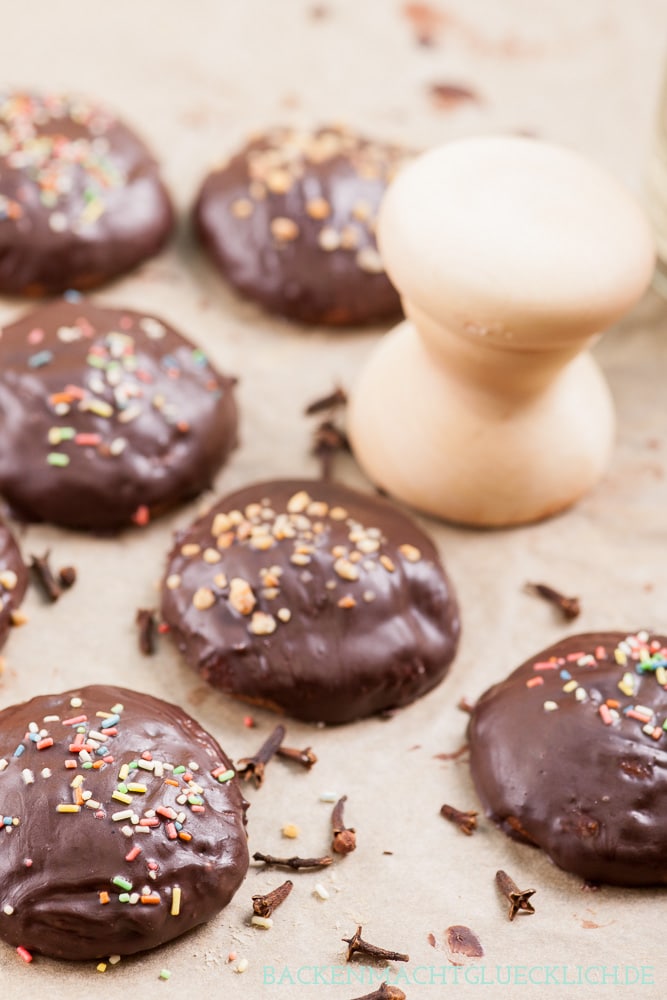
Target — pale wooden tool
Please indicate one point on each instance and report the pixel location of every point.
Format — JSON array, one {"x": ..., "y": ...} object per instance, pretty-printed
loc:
[{"x": 484, "y": 407}]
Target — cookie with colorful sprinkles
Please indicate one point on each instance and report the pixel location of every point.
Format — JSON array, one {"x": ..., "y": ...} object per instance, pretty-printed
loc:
[
  {"x": 81, "y": 199},
  {"x": 109, "y": 416},
  {"x": 312, "y": 599},
  {"x": 290, "y": 221},
  {"x": 13, "y": 580},
  {"x": 122, "y": 825},
  {"x": 569, "y": 753}
]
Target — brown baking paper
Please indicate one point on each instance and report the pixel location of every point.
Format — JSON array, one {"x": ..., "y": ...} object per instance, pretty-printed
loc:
[{"x": 194, "y": 79}]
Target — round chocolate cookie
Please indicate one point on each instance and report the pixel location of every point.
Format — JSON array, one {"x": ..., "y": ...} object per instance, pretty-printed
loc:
[
  {"x": 81, "y": 199},
  {"x": 290, "y": 220},
  {"x": 569, "y": 754},
  {"x": 13, "y": 580},
  {"x": 311, "y": 599},
  {"x": 109, "y": 416},
  {"x": 122, "y": 824}
]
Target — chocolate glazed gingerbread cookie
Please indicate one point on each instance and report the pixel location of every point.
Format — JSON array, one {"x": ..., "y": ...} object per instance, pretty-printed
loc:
[
  {"x": 312, "y": 599},
  {"x": 569, "y": 754},
  {"x": 290, "y": 221},
  {"x": 122, "y": 824},
  {"x": 109, "y": 416},
  {"x": 13, "y": 580},
  {"x": 81, "y": 199}
]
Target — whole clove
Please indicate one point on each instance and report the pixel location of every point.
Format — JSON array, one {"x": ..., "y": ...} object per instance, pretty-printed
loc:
[
  {"x": 454, "y": 755},
  {"x": 385, "y": 992},
  {"x": 328, "y": 438},
  {"x": 295, "y": 863},
  {"x": 466, "y": 706},
  {"x": 253, "y": 768},
  {"x": 145, "y": 621},
  {"x": 305, "y": 757},
  {"x": 357, "y": 946},
  {"x": 67, "y": 577},
  {"x": 570, "y": 607},
  {"x": 329, "y": 402},
  {"x": 519, "y": 899},
  {"x": 466, "y": 821},
  {"x": 344, "y": 838},
  {"x": 328, "y": 441},
  {"x": 44, "y": 576},
  {"x": 263, "y": 906}
]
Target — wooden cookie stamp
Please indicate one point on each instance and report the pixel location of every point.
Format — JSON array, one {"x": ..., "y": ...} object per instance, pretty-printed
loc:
[{"x": 485, "y": 407}]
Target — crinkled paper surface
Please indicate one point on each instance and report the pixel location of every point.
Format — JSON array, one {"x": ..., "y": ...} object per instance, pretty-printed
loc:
[{"x": 194, "y": 79}]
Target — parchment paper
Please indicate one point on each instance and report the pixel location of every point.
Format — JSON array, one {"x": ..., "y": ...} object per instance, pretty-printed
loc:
[{"x": 194, "y": 78}]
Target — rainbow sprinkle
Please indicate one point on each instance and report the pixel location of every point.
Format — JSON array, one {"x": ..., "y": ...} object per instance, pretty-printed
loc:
[
  {"x": 53, "y": 164},
  {"x": 85, "y": 738},
  {"x": 118, "y": 388},
  {"x": 647, "y": 656}
]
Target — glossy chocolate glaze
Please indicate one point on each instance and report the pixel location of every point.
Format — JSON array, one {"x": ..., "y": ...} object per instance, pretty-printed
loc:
[
  {"x": 162, "y": 419},
  {"x": 57, "y": 867},
  {"x": 591, "y": 793},
  {"x": 81, "y": 199},
  {"x": 312, "y": 599},
  {"x": 13, "y": 580},
  {"x": 290, "y": 221}
]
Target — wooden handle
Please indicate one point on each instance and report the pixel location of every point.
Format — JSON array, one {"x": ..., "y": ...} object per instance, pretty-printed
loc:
[{"x": 511, "y": 255}]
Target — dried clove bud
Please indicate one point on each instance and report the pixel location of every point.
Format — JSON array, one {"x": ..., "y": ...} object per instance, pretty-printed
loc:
[
  {"x": 306, "y": 757},
  {"x": 454, "y": 755},
  {"x": 294, "y": 863},
  {"x": 466, "y": 821},
  {"x": 357, "y": 946},
  {"x": 570, "y": 607},
  {"x": 263, "y": 906},
  {"x": 344, "y": 838},
  {"x": 44, "y": 576},
  {"x": 67, "y": 577},
  {"x": 145, "y": 620},
  {"x": 518, "y": 898},
  {"x": 328, "y": 441},
  {"x": 252, "y": 768},
  {"x": 466, "y": 706},
  {"x": 329, "y": 402}
]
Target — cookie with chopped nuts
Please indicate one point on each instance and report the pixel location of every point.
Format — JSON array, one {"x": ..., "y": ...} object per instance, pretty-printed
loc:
[
  {"x": 290, "y": 221},
  {"x": 568, "y": 754},
  {"x": 13, "y": 580},
  {"x": 81, "y": 199},
  {"x": 122, "y": 824},
  {"x": 109, "y": 416},
  {"x": 311, "y": 599}
]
